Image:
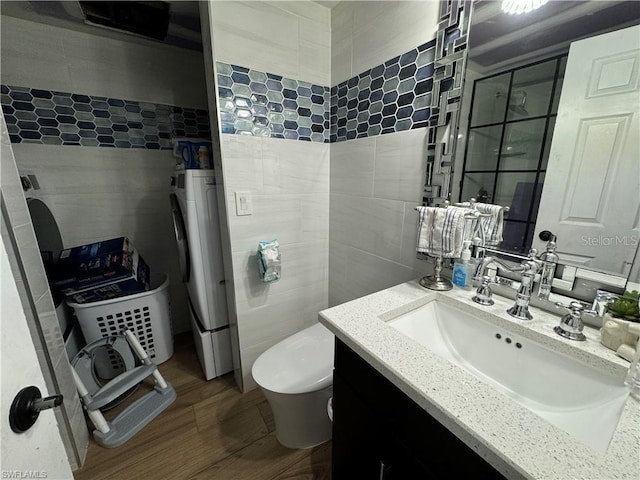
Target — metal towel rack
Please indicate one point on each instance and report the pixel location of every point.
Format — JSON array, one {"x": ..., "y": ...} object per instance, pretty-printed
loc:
[
  {"x": 436, "y": 281},
  {"x": 472, "y": 204}
]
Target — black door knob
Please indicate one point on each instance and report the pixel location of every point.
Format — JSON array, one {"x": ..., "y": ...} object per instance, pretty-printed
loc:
[
  {"x": 545, "y": 235},
  {"x": 26, "y": 408}
]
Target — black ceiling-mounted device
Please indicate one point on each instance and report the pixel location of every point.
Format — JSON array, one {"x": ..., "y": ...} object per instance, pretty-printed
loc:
[{"x": 149, "y": 19}]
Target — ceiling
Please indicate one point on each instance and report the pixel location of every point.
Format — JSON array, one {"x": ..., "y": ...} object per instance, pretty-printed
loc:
[
  {"x": 497, "y": 38},
  {"x": 326, "y": 3},
  {"x": 184, "y": 26}
]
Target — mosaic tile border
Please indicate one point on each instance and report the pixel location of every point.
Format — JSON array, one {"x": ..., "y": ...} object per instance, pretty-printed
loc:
[
  {"x": 388, "y": 98},
  {"x": 448, "y": 80},
  {"x": 263, "y": 104},
  {"x": 62, "y": 118}
]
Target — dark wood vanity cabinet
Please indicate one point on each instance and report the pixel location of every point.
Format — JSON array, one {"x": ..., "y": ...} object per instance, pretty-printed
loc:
[{"x": 380, "y": 433}]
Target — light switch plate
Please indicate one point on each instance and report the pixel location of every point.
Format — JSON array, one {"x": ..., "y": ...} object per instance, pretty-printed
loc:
[{"x": 244, "y": 204}]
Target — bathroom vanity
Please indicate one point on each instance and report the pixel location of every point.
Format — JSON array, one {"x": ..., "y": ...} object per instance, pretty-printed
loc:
[
  {"x": 379, "y": 432},
  {"x": 490, "y": 397}
]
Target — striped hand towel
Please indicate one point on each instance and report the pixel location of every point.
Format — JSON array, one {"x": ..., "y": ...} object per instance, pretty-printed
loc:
[
  {"x": 441, "y": 231},
  {"x": 493, "y": 225}
]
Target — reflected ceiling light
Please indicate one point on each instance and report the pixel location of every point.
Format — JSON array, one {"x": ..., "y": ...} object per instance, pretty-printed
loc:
[{"x": 516, "y": 7}]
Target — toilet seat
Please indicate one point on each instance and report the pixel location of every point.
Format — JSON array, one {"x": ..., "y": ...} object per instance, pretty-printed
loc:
[
  {"x": 45, "y": 227},
  {"x": 103, "y": 360},
  {"x": 301, "y": 363}
]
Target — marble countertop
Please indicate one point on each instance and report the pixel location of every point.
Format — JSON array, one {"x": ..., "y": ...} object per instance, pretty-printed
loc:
[{"x": 516, "y": 441}]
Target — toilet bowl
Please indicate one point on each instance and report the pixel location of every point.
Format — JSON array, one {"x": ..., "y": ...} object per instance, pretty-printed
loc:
[{"x": 296, "y": 377}]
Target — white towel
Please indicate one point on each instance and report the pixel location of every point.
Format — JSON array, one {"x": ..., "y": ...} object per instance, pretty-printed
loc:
[
  {"x": 491, "y": 226},
  {"x": 441, "y": 231}
]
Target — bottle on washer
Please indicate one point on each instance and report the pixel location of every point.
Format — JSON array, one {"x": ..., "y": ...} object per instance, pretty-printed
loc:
[{"x": 203, "y": 157}]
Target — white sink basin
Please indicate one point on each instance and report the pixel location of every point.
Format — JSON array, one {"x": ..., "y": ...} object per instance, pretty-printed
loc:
[{"x": 580, "y": 400}]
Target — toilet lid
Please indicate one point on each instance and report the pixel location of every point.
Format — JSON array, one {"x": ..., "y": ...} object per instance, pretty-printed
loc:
[
  {"x": 101, "y": 361},
  {"x": 300, "y": 363},
  {"x": 46, "y": 228}
]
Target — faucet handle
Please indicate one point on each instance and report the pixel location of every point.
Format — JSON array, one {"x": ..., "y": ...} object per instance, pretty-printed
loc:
[
  {"x": 576, "y": 308},
  {"x": 571, "y": 324},
  {"x": 483, "y": 293}
]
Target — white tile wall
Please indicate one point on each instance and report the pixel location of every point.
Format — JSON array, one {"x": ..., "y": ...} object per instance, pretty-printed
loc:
[
  {"x": 352, "y": 167},
  {"x": 377, "y": 181},
  {"x": 366, "y": 34},
  {"x": 268, "y": 324},
  {"x": 368, "y": 223},
  {"x": 289, "y": 184},
  {"x": 400, "y": 165},
  {"x": 53, "y": 58},
  {"x": 292, "y": 39},
  {"x": 303, "y": 265},
  {"x": 295, "y": 167},
  {"x": 291, "y": 218},
  {"x": 314, "y": 58},
  {"x": 99, "y": 193},
  {"x": 341, "y": 42},
  {"x": 338, "y": 285},
  {"x": 242, "y": 162},
  {"x": 375, "y": 184},
  {"x": 366, "y": 273}
]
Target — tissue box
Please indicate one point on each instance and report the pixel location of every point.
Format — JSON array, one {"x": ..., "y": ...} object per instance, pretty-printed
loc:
[
  {"x": 269, "y": 261},
  {"x": 97, "y": 264}
]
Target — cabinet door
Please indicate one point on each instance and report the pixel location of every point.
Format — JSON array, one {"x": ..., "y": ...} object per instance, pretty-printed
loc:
[
  {"x": 356, "y": 436},
  {"x": 398, "y": 463},
  {"x": 378, "y": 429},
  {"x": 363, "y": 445}
]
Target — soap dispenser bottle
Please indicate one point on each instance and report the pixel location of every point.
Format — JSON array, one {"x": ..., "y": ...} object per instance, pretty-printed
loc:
[
  {"x": 548, "y": 269},
  {"x": 462, "y": 268}
]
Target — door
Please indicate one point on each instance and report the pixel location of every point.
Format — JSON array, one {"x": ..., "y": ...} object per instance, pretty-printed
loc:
[
  {"x": 594, "y": 155},
  {"x": 38, "y": 452}
]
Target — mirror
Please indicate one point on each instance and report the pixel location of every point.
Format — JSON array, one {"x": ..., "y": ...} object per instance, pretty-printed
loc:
[{"x": 512, "y": 145}]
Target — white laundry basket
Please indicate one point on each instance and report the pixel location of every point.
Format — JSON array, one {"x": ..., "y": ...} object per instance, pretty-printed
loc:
[{"x": 146, "y": 314}]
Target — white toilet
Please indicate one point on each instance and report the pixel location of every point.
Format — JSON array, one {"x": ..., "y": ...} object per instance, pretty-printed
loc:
[{"x": 296, "y": 376}]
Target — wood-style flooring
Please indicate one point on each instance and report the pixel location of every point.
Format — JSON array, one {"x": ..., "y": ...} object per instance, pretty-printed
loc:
[{"x": 211, "y": 431}]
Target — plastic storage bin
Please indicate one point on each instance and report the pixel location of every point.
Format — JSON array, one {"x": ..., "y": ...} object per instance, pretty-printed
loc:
[{"x": 146, "y": 314}]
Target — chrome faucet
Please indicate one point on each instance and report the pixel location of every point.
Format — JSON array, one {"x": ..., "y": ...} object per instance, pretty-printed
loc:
[
  {"x": 528, "y": 268},
  {"x": 571, "y": 325}
]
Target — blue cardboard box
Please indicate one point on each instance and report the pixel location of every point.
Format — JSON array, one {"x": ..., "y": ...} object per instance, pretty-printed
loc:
[
  {"x": 89, "y": 266},
  {"x": 193, "y": 153},
  {"x": 107, "y": 292}
]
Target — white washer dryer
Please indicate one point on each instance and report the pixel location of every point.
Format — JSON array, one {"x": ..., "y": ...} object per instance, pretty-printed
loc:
[{"x": 194, "y": 204}]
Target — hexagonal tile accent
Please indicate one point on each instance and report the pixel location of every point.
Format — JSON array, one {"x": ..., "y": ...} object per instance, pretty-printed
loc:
[
  {"x": 388, "y": 98},
  {"x": 277, "y": 106},
  {"x": 63, "y": 118}
]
